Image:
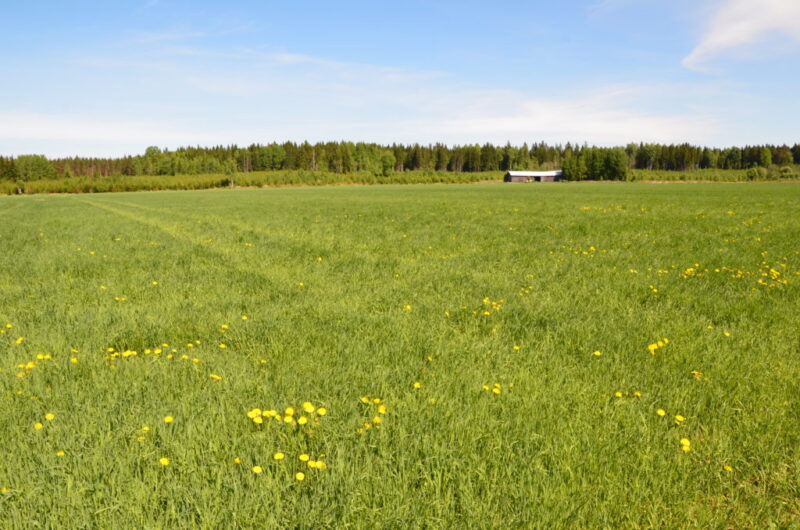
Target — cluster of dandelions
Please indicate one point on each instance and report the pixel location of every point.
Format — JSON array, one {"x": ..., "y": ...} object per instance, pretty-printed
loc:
[
  {"x": 652, "y": 348},
  {"x": 496, "y": 388},
  {"x": 375, "y": 410},
  {"x": 307, "y": 461},
  {"x": 303, "y": 417}
]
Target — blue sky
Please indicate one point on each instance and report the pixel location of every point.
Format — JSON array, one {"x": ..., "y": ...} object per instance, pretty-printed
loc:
[{"x": 111, "y": 78}]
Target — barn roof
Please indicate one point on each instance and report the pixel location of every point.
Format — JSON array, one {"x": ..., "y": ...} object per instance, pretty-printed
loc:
[{"x": 556, "y": 173}]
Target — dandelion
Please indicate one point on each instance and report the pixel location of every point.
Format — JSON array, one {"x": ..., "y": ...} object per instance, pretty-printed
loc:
[
  {"x": 381, "y": 409},
  {"x": 38, "y": 426},
  {"x": 215, "y": 377},
  {"x": 300, "y": 476},
  {"x": 289, "y": 411},
  {"x": 618, "y": 394},
  {"x": 303, "y": 457},
  {"x": 661, "y": 412},
  {"x": 496, "y": 390},
  {"x": 417, "y": 385},
  {"x": 278, "y": 456},
  {"x": 222, "y": 346},
  {"x": 302, "y": 420},
  {"x": 164, "y": 461},
  {"x": 237, "y": 461},
  {"x": 168, "y": 419},
  {"x": 49, "y": 416},
  {"x": 308, "y": 407},
  {"x": 60, "y": 453},
  {"x": 244, "y": 317},
  {"x": 726, "y": 467},
  {"x": 516, "y": 348},
  {"x": 257, "y": 470},
  {"x": 322, "y": 411},
  {"x": 597, "y": 353},
  {"x": 407, "y": 308}
]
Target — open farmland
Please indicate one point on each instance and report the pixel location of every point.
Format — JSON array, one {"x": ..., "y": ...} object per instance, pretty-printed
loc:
[{"x": 455, "y": 356}]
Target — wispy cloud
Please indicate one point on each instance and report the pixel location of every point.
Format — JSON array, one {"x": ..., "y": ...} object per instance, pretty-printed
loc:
[{"x": 738, "y": 23}]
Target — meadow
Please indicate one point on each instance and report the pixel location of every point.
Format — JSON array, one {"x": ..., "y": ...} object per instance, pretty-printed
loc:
[{"x": 438, "y": 356}]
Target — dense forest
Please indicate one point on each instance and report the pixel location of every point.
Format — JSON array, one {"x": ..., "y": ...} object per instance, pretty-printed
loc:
[{"x": 578, "y": 161}]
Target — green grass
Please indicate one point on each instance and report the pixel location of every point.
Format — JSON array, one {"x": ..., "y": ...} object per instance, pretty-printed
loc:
[{"x": 348, "y": 291}]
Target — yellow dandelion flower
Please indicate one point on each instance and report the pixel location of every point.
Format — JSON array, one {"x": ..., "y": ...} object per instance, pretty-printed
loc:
[
  {"x": 407, "y": 308},
  {"x": 303, "y": 457},
  {"x": 496, "y": 390},
  {"x": 485, "y": 387},
  {"x": 222, "y": 346},
  {"x": 637, "y": 394},
  {"x": 381, "y": 409},
  {"x": 686, "y": 448},
  {"x": 73, "y": 360},
  {"x": 49, "y": 416},
  {"x": 726, "y": 467},
  {"x": 257, "y": 470},
  {"x": 300, "y": 476},
  {"x": 679, "y": 418},
  {"x": 685, "y": 441},
  {"x": 288, "y": 419},
  {"x": 164, "y": 461},
  {"x": 19, "y": 340},
  {"x": 312, "y": 464},
  {"x": 258, "y": 420},
  {"x": 244, "y": 317},
  {"x": 417, "y": 385},
  {"x": 302, "y": 420},
  {"x": 618, "y": 394},
  {"x": 237, "y": 460},
  {"x": 597, "y": 353},
  {"x": 60, "y": 453},
  {"x": 364, "y": 399},
  {"x": 38, "y": 426},
  {"x": 516, "y": 348},
  {"x": 727, "y": 333},
  {"x": 215, "y": 377},
  {"x": 376, "y": 400},
  {"x": 168, "y": 419},
  {"x": 308, "y": 407},
  {"x": 322, "y": 411},
  {"x": 321, "y": 465},
  {"x": 661, "y": 412},
  {"x": 289, "y": 411},
  {"x": 376, "y": 420},
  {"x": 278, "y": 456}
]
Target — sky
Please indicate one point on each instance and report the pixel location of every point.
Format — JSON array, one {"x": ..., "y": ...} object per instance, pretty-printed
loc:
[{"x": 100, "y": 78}]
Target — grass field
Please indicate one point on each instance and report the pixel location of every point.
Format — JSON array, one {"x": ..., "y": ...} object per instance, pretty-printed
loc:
[{"x": 462, "y": 356}]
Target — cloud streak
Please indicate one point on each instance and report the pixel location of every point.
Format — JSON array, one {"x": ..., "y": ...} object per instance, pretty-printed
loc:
[{"x": 739, "y": 23}]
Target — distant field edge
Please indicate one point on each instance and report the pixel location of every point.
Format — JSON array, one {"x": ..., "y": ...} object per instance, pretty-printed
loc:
[{"x": 284, "y": 179}]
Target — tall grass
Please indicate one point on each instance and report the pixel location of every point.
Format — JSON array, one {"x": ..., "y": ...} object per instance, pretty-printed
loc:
[{"x": 511, "y": 332}]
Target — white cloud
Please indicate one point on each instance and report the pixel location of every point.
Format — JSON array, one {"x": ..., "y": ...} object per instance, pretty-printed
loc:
[
  {"x": 739, "y": 23},
  {"x": 372, "y": 111}
]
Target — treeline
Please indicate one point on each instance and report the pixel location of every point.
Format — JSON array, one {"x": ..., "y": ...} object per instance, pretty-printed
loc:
[{"x": 579, "y": 162}]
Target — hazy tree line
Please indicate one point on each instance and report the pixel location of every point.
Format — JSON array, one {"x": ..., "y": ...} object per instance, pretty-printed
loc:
[{"x": 578, "y": 161}]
